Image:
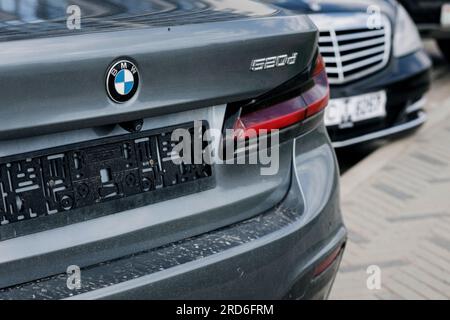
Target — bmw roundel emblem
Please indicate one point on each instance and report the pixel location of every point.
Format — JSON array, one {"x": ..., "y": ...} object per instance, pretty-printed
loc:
[{"x": 122, "y": 81}]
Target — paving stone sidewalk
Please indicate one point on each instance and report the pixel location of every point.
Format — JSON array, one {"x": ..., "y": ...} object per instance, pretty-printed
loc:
[{"x": 396, "y": 205}]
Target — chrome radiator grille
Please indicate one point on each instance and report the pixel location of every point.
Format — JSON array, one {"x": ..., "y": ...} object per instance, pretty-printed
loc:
[{"x": 354, "y": 51}]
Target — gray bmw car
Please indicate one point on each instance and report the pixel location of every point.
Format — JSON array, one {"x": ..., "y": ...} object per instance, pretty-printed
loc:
[{"x": 98, "y": 202}]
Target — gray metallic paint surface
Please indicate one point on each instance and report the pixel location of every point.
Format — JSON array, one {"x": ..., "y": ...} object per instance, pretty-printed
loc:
[{"x": 44, "y": 18}]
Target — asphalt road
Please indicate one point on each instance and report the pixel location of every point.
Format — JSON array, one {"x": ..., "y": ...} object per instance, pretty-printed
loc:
[{"x": 348, "y": 157}]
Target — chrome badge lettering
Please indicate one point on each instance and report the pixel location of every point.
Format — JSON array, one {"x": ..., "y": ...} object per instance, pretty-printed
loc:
[{"x": 273, "y": 62}]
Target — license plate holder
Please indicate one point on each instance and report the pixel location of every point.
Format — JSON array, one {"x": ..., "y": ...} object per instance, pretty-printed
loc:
[{"x": 68, "y": 184}]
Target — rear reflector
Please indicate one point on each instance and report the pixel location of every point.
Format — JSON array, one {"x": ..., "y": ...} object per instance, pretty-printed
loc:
[
  {"x": 327, "y": 262},
  {"x": 289, "y": 112}
]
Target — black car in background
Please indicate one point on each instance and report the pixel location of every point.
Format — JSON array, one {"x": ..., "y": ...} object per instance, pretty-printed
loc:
[
  {"x": 377, "y": 68},
  {"x": 433, "y": 20}
]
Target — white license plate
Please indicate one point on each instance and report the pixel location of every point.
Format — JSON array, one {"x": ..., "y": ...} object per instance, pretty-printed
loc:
[
  {"x": 346, "y": 111},
  {"x": 445, "y": 15}
]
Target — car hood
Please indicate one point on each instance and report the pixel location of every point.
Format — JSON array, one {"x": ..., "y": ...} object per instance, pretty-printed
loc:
[
  {"x": 37, "y": 18},
  {"x": 334, "y": 6}
]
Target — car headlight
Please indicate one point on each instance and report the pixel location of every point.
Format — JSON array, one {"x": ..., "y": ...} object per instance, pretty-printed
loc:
[{"x": 406, "y": 38}]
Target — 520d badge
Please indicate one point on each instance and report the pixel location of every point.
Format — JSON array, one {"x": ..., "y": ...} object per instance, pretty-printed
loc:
[
  {"x": 273, "y": 62},
  {"x": 122, "y": 81}
]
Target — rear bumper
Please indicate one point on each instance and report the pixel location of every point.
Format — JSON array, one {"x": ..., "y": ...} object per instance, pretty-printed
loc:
[
  {"x": 270, "y": 256},
  {"x": 406, "y": 81}
]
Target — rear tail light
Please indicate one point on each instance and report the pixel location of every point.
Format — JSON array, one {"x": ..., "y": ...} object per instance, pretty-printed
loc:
[{"x": 312, "y": 99}]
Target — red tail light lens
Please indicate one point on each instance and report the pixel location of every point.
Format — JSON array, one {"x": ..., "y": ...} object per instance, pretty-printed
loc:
[
  {"x": 311, "y": 101},
  {"x": 319, "y": 66},
  {"x": 318, "y": 96}
]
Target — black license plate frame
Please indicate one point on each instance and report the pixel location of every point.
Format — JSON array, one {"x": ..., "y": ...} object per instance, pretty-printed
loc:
[{"x": 55, "y": 169}]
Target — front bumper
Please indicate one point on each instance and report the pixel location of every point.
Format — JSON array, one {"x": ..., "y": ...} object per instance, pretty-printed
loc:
[
  {"x": 406, "y": 81},
  {"x": 434, "y": 30},
  {"x": 270, "y": 256}
]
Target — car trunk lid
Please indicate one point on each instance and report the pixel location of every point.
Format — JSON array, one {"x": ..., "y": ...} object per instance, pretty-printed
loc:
[{"x": 60, "y": 80}]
